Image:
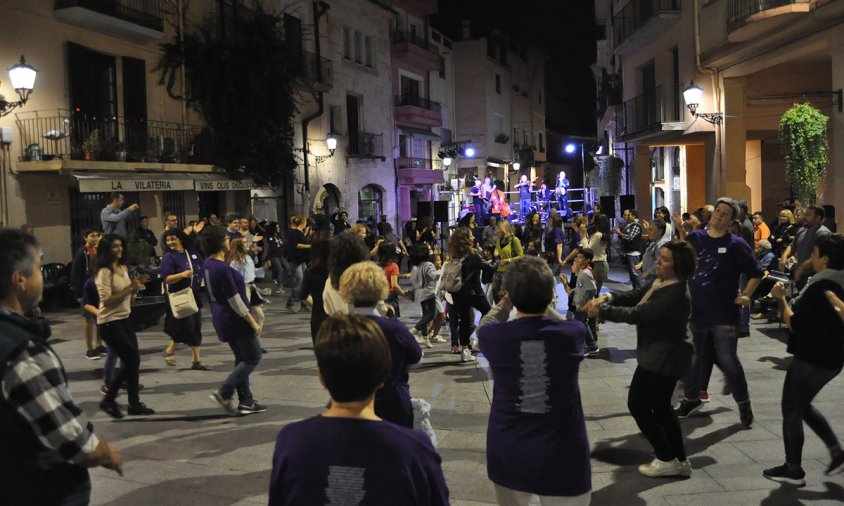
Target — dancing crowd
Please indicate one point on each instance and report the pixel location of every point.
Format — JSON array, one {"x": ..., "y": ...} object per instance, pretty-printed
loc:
[{"x": 492, "y": 290}]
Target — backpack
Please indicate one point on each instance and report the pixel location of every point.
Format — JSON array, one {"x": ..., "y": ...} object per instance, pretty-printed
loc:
[{"x": 452, "y": 276}]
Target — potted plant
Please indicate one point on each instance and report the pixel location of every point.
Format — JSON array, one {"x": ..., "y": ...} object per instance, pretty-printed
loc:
[
  {"x": 502, "y": 138},
  {"x": 803, "y": 133},
  {"x": 91, "y": 145}
]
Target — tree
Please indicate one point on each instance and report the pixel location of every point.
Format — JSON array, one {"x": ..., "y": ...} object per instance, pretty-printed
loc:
[
  {"x": 242, "y": 82},
  {"x": 805, "y": 145}
]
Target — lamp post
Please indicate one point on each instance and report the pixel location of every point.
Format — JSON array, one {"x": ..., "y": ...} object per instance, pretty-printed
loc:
[
  {"x": 692, "y": 95},
  {"x": 22, "y": 78}
]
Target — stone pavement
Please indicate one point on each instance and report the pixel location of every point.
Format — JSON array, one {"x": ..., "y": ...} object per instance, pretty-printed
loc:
[{"x": 190, "y": 453}]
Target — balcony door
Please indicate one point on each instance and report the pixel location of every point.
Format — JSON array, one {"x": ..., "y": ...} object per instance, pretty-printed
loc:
[
  {"x": 135, "y": 105},
  {"x": 93, "y": 92},
  {"x": 353, "y": 124},
  {"x": 649, "y": 95},
  {"x": 410, "y": 88}
]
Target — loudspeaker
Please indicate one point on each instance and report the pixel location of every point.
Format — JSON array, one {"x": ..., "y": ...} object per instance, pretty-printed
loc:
[
  {"x": 627, "y": 202},
  {"x": 441, "y": 211},
  {"x": 608, "y": 206},
  {"x": 423, "y": 208}
]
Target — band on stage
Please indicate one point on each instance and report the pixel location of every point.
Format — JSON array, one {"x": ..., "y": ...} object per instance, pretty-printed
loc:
[{"x": 487, "y": 199}]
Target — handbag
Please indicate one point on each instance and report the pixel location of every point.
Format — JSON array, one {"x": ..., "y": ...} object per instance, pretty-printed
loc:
[{"x": 183, "y": 302}]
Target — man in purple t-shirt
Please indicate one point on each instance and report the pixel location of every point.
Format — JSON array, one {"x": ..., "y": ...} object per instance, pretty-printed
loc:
[
  {"x": 536, "y": 437},
  {"x": 721, "y": 258},
  {"x": 348, "y": 455}
]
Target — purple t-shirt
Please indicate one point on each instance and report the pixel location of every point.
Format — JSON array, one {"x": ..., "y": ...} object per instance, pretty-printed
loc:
[
  {"x": 175, "y": 263},
  {"x": 222, "y": 282},
  {"x": 350, "y": 461},
  {"x": 715, "y": 285},
  {"x": 392, "y": 401},
  {"x": 554, "y": 237},
  {"x": 536, "y": 437}
]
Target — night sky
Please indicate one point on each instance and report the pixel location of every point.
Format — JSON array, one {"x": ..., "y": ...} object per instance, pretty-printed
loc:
[{"x": 563, "y": 29}]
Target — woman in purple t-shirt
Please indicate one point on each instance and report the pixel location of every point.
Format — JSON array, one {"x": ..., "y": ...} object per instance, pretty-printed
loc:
[
  {"x": 181, "y": 269},
  {"x": 233, "y": 322}
]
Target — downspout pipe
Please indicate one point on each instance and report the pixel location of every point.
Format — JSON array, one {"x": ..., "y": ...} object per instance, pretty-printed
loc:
[{"x": 320, "y": 8}]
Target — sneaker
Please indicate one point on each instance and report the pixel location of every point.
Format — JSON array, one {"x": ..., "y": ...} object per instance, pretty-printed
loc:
[
  {"x": 837, "y": 464},
  {"x": 92, "y": 355},
  {"x": 745, "y": 413},
  {"x": 226, "y": 404},
  {"x": 466, "y": 356},
  {"x": 278, "y": 291},
  {"x": 704, "y": 396},
  {"x": 455, "y": 350},
  {"x": 102, "y": 350},
  {"x": 248, "y": 409},
  {"x": 592, "y": 351},
  {"x": 140, "y": 409},
  {"x": 686, "y": 468},
  {"x": 111, "y": 408},
  {"x": 785, "y": 474},
  {"x": 439, "y": 339},
  {"x": 661, "y": 468},
  {"x": 686, "y": 408},
  {"x": 425, "y": 342}
]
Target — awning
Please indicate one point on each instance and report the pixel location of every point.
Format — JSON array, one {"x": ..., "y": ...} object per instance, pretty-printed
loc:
[
  {"x": 157, "y": 182},
  {"x": 420, "y": 133}
]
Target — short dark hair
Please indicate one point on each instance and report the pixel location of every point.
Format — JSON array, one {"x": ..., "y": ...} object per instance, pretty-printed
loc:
[
  {"x": 529, "y": 284},
  {"x": 831, "y": 246},
  {"x": 634, "y": 212},
  {"x": 175, "y": 232},
  {"x": 420, "y": 253},
  {"x": 685, "y": 259},
  {"x": 230, "y": 218},
  {"x": 742, "y": 204},
  {"x": 18, "y": 254},
  {"x": 587, "y": 253},
  {"x": 142, "y": 218},
  {"x": 387, "y": 253},
  {"x": 353, "y": 357},
  {"x": 105, "y": 257},
  {"x": 348, "y": 249},
  {"x": 660, "y": 224},
  {"x": 114, "y": 196},
  {"x": 818, "y": 210},
  {"x": 89, "y": 231},
  {"x": 212, "y": 240},
  {"x": 732, "y": 204},
  {"x": 759, "y": 214}
]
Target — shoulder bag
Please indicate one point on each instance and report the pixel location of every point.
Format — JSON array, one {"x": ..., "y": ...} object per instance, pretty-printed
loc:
[{"x": 183, "y": 302}]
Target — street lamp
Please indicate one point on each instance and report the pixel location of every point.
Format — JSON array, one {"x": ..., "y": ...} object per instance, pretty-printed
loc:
[
  {"x": 331, "y": 144},
  {"x": 22, "y": 77},
  {"x": 516, "y": 166},
  {"x": 446, "y": 161},
  {"x": 692, "y": 96}
]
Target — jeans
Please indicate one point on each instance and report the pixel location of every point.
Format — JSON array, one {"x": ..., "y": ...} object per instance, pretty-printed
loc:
[
  {"x": 120, "y": 337},
  {"x": 280, "y": 269},
  {"x": 429, "y": 312},
  {"x": 715, "y": 343},
  {"x": 600, "y": 269},
  {"x": 581, "y": 316},
  {"x": 298, "y": 277},
  {"x": 563, "y": 204},
  {"x": 109, "y": 366},
  {"x": 649, "y": 401},
  {"x": 463, "y": 305},
  {"x": 635, "y": 276},
  {"x": 247, "y": 356},
  {"x": 393, "y": 301},
  {"x": 524, "y": 208},
  {"x": 803, "y": 381}
]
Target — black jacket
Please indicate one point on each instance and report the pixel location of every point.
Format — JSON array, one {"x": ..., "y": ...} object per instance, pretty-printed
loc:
[
  {"x": 817, "y": 334},
  {"x": 662, "y": 337},
  {"x": 79, "y": 271}
]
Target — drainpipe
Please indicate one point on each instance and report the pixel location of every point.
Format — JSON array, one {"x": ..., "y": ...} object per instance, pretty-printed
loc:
[
  {"x": 181, "y": 8},
  {"x": 717, "y": 166},
  {"x": 320, "y": 8}
]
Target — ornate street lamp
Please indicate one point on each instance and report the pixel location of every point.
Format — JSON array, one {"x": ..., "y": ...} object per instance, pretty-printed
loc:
[
  {"x": 22, "y": 77},
  {"x": 692, "y": 96}
]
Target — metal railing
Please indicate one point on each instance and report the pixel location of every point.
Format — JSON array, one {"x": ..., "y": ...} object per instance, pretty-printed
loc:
[
  {"x": 407, "y": 162},
  {"x": 146, "y": 13},
  {"x": 738, "y": 10},
  {"x": 416, "y": 40},
  {"x": 366, "y": 145},
  {"x": 318, "y": 73},
  {"x": 413, "y": 100},
  {"x": 652, "y": 108},
  {"x": 636, "y": 13},
  {"x": 48, "y": 135}
]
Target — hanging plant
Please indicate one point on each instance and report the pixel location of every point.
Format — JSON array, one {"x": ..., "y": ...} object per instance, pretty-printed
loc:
[
  {"x": 610, "y": 175},
  {"x": 803, "y": 135}
]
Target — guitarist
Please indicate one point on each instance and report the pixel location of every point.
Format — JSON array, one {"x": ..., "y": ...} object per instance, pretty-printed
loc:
[{"x": 562, "y": 193}]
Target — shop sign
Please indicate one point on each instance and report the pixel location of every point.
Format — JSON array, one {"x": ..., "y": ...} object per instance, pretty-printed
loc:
[
  {"x": 134, "y": 185},
  {"x": 224, "y": 185}
]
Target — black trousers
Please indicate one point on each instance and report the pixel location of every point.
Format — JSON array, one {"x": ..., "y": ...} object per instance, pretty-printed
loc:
[
  {"x": 649, "y": 401},
  {"x": 120, "y": 337},
  {"x": 429, "y": 312},
  {"x": 462, "y": 308}
]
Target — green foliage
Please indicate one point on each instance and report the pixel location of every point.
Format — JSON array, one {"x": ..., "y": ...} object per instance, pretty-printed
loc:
[
  {"x": 242, "y": 84},
  {"x": 803, "y": 134},
  {"x": 92, "y": 142},
  {"x": 609, "y": 171},
  {"x": 138, "y": 250}
]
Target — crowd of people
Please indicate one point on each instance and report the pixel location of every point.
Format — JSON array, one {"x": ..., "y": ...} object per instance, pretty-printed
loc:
[{"x": 693, "y": 281}]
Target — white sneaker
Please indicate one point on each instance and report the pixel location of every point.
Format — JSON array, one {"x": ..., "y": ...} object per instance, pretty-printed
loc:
[
  {"x": 685, "y": 468},
  {"x": 661, "y": 468},
  {"x": 425, "y": 342},
  {"x": 439, "y": 339},
  {"x": 466, "y": 356}
]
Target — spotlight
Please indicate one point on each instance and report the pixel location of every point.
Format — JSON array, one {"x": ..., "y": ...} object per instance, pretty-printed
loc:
[
  {"x": 570, "y": 148},
  {"x": 470, "y": 152}
]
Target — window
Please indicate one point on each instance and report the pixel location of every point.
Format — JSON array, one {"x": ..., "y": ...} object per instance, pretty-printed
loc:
[
  {"x": 335, "y": 119},
  {"x": 174, "y": 202},
  {"x": 369, "y": 53},
  {"x": 498, "y": 83},
  {"x": 369, "y": 203},
  {"x": 353, "y": 124},
  {"x": 498, "y": 122},
  {"x": 358, "y": 47},
  {"x": 348, "y": 43}
]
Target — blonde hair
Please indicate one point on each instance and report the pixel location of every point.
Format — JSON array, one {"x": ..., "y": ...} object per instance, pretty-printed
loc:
[
  {"x": 504, "y": 229},
  {"x": 364, "y": 284},
  {"x": 237, "y": 250},
  {"x": 788, "y": 214},
  {"x": 359, "y": 229}
]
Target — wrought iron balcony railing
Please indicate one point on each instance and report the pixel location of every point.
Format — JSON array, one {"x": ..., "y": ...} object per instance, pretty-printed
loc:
[
  {"x": 636, "y": 14},
  {"x": 738, "y": 10},
  {"x": 413, "y": 163},
  {"x": 60, "y": 134},
  {"x": 323, "y": 72},
  {"x": 651, "y": 109},
  {"x": 416, "y": 40},
  {"x": 366, "y": 145},
  {"x": 147, "y": 13},
  {"x": 413, "y": 100}
]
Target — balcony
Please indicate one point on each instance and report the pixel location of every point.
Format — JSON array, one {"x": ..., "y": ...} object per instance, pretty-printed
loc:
[
  {"x": 54, "y": 138},
  {"x": 641, "y": 22},
  {"x": 366, "y": 145},
  {"x": 316, "y": 75},
  {"x": 418, "y": 112},
  {"x": 416, "y": 50},
  {"x": 412, "y": 171},
  {"x": 748, "y": 19},
  {"x": 651, "y": 113},
  {"x": 134, "y": 19}
]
